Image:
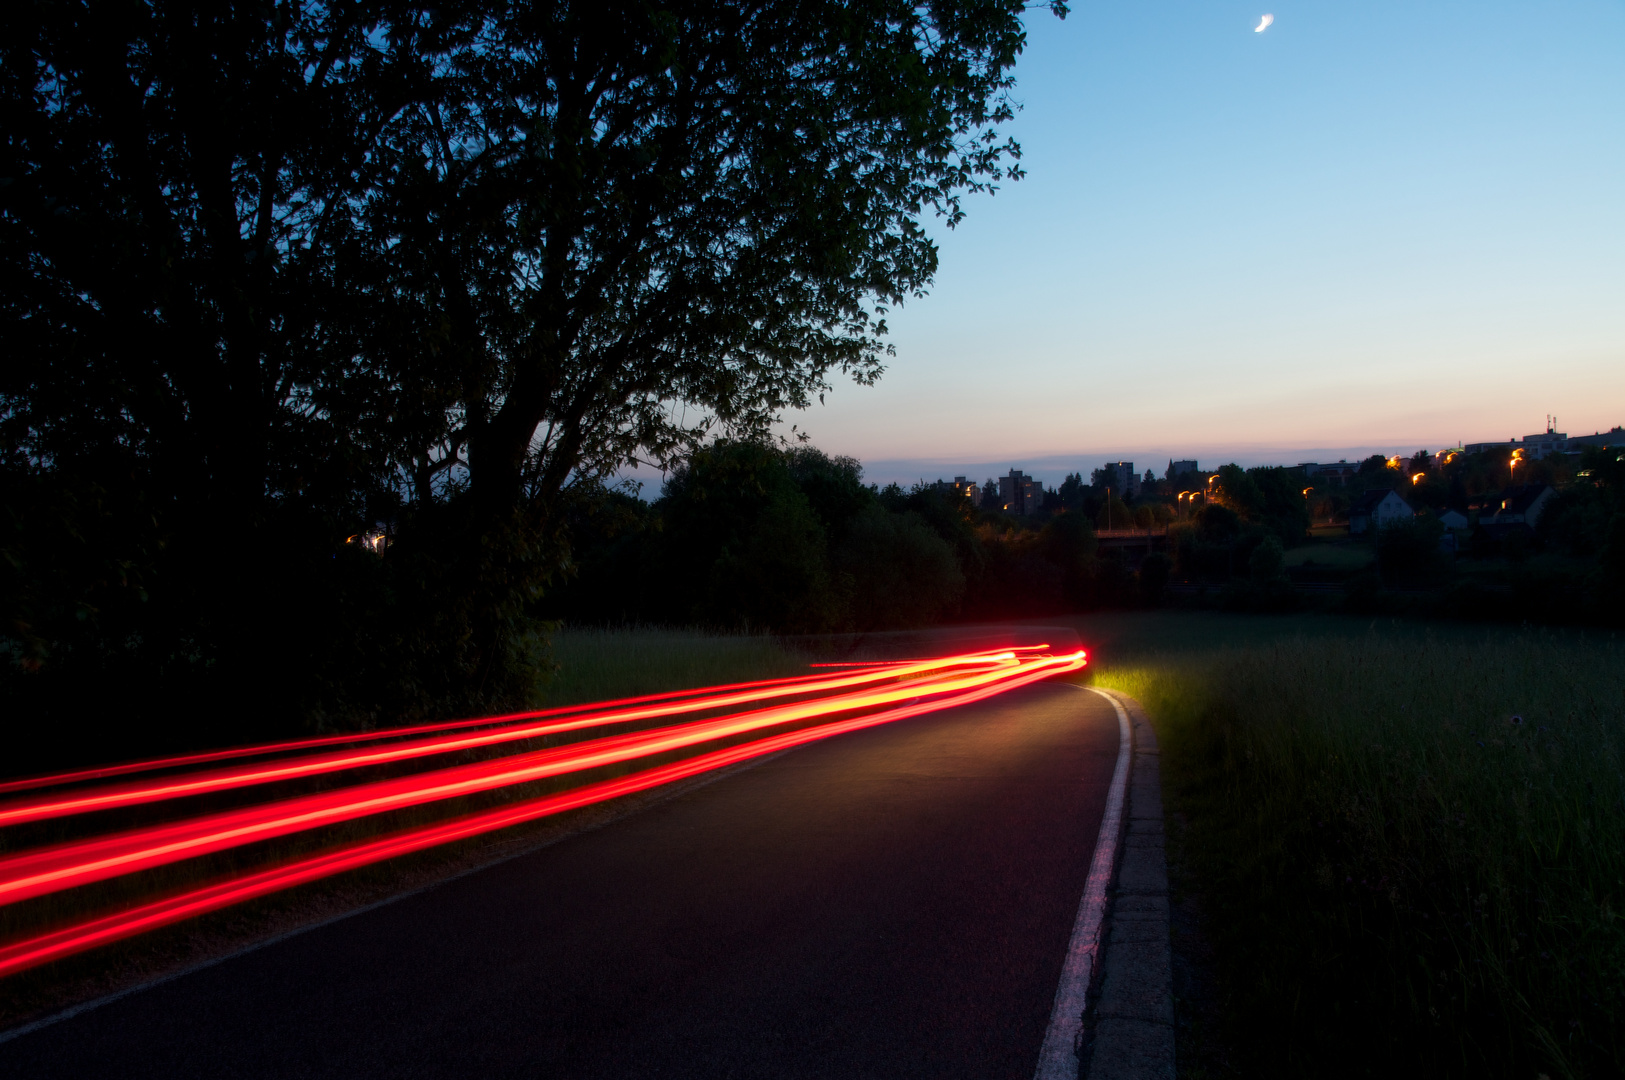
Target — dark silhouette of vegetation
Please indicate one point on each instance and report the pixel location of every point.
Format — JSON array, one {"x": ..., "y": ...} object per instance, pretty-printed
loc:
[
  {"x": 278, "y": 276},
  {"x": 747, "y": 535}
]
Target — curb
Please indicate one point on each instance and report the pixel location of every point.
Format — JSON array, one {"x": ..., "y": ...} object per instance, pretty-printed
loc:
[{"x": 1129, "y": 1027}]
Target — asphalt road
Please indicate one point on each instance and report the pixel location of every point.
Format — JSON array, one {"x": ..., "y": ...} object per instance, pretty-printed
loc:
[{"x": 891, "y": 903}]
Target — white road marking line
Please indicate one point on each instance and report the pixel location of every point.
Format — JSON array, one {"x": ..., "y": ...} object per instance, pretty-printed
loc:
[{"x": 1058, "y": 1060}]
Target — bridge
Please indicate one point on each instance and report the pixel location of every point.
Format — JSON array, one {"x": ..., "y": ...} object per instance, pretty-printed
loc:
[{"x": 1132, "y": 544}]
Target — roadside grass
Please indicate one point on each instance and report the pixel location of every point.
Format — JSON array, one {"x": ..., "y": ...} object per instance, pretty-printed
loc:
[
  {"x": 1332, "y": 552},
  {"x": 600, "y": 663},
  {"x": 1409, "y": 839}
]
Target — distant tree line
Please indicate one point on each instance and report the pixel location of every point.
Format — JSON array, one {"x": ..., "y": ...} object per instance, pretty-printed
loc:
[{"x": 751, "y": 535}]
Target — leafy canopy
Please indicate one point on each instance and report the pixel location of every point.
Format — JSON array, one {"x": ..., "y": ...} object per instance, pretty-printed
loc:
[{"x": 287, "y": 269}]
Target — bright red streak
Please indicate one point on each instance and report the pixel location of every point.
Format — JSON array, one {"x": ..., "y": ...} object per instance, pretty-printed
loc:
[
  {"x": 131, "y": 794},
  {"x": 64, "y": 866},
  {"x": 95, "y": 932},
  {"x": 104, "y": 772}
]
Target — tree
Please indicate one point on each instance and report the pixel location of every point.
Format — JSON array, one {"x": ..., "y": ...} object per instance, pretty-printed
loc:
[
  {"x": 285, "y": 270},
  {"x": 900, "y": 572},
  {"x": 743, "y": 546},
  {"x": 990, "y": 494}
]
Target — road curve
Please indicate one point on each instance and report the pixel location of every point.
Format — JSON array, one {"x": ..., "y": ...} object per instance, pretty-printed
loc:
[{"x": 892, "y": 903}]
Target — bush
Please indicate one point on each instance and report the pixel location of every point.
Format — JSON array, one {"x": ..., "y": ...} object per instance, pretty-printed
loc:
[
  {"x": 1408, "y": 552},
  {"x": 1154, "y": 576}
]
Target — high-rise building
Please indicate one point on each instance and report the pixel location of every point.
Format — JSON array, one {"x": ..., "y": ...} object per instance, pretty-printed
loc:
[
  {"x": 1020, "y": 493},
  {"x": 961, "y": 488},
  {"x": 1120, "y": 477}
]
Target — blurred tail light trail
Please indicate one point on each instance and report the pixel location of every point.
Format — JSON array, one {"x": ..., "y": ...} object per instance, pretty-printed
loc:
[{"x": 826, "y": 704}]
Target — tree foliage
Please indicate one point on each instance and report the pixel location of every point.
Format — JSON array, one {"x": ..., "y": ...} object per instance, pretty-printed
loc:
[{"x": 275, "y": 272}]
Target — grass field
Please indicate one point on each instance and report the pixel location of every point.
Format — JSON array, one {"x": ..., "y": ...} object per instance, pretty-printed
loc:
[
  {"x": 1338, "y": 553},
  {"x": 595, "y": 664},
  {"x": 1409, "y": 841}
]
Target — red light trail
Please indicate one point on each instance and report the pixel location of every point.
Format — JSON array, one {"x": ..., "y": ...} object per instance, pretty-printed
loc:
[
  {"x": 935, "y": 684},
  {"x": 155, "y": 764},
  {"x": 130, "y": 794}
]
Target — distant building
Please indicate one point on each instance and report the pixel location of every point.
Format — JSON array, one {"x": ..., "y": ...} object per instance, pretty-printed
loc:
[
  {"x": 1616, "y": 437},
  {"x": 1523, "y": 505},
  {"x": 1180, "y": 468},
  {"x": 1119, "y": 476},
  {"x": 1376, "y": 510},
  {"x": 1020, "y": 493},
  {"x": 1480, "y": 447},
  {"x": 1338, "y": 472},
  {"x": 1539, "y": 445},
  {"x": 1544, "y": 445},
  {"x": 960, "y": 488}
]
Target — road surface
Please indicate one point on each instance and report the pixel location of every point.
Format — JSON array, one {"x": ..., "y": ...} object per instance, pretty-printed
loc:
[{"x": 890, "y": 903}]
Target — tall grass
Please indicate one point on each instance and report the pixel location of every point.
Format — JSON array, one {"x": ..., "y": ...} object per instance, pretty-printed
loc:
[
  {"x": 1410, "y": 845},
  {"x": 601, "y": 663}
]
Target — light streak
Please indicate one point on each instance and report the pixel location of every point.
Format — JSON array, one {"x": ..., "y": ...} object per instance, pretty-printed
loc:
[
  {"x": 35, "y": 873},
  {"x": 107, "y": 798},
  {"x": 103, "y": 772},
  {"x": 69, "y": 865}
]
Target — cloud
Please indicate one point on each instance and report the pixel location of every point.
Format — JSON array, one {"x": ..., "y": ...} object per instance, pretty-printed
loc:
[{"x": 1263, "y": 24}]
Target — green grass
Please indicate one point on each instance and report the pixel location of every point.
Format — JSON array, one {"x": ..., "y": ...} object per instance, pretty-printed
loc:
[
  {"x": 1341, "y": 554},
  {"x": 596, "y": 664},
  {"x": 1409, "y": 841}
]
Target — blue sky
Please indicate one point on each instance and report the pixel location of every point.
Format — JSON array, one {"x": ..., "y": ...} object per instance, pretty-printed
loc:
[{"x": 1373, "y": 227}]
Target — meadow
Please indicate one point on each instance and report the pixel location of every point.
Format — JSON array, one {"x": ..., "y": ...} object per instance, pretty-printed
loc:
[
  {"x": 1408, "y": 840},
  {"x": 598, "y": 663}
]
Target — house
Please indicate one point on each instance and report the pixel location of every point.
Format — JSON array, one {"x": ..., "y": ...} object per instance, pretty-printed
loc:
[
  {"x": 1020, "y": 493},
  {"x": 1180, "y": 468},
  {"x": 1455, "y": 521},
  {"x": 1522, "y": 505},
  {"x": 1376, "y": 510}
]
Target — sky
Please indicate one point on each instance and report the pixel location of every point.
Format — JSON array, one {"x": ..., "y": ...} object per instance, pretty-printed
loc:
[{"x": 1374, "y": 227}]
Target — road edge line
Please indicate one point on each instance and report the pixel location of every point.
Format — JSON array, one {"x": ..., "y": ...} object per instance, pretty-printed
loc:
[
  {"x": 1058, "y": 1058},
  {"x": 1130, "y": 1022}
]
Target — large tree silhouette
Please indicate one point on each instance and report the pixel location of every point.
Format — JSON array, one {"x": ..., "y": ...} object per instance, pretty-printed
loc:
[{"x": 273, "y": 271}]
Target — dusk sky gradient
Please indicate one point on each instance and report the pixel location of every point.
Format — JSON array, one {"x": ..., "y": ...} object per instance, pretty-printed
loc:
[{"x": 1372, "y": 227}]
